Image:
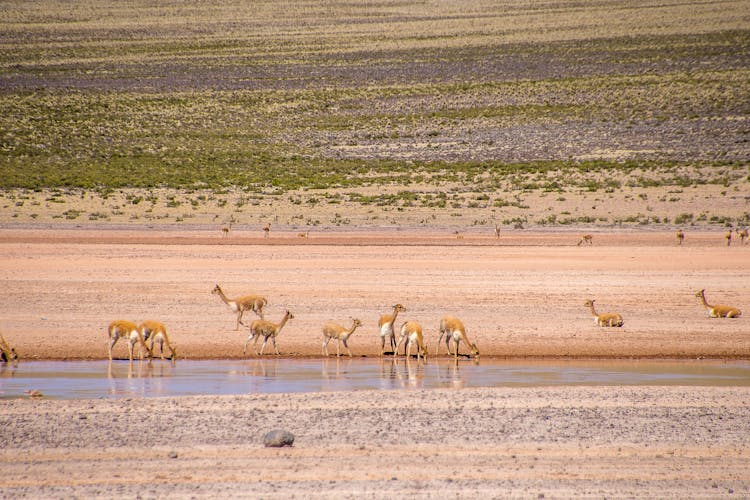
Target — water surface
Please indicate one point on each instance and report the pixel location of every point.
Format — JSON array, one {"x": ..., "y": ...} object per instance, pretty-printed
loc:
[{"x": 101, "y": 379}]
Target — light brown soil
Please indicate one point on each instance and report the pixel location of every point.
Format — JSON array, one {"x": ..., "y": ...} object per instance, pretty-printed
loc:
[{"x": 519, "y": 295}]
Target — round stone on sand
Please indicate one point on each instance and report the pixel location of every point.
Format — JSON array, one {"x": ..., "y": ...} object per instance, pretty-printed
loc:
[{"x": 278, "y": 438}]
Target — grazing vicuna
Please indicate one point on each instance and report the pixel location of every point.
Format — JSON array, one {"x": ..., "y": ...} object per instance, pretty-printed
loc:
[
  {"x": 605, "y": 319},
  {"x": 411, "y": 332},
  {"x": 122, "y": 329},
  {"x": 340, "y": 333},
  {"x": 586, "y": 238},
  {"x": 7, "y": 353},
  {"x": 157, "y": 333},
  {"x": 266, "y": 329},
  {"x": 453, "y": 329},
  {"x": 717, "y": 311}
]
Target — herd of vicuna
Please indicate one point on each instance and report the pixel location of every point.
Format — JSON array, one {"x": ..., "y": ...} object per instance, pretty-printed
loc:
[{"x": 452, "y": 330}]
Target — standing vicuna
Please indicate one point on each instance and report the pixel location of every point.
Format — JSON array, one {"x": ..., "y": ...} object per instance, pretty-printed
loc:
[
  {"x": 453, "y": 329},
  {"x": 680, "y": 236},
  {"x": 157, "y": 333},
  {"x": 254, "y": 303},
  {"x": 266, "y": 329},
  {"x": 604, "y": 319},
  {"x": 126, "y": 330},
  {"x": 333, "y": 330},
  {"x": 385, "y": 324},
  {"x": 742, "y": 233},
  {"x": 717, "y": 311},
  {"x": 411, "y": 331}
]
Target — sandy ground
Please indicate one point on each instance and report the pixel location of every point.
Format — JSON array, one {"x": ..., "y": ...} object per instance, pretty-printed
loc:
[{"x": 520, "y": 295}]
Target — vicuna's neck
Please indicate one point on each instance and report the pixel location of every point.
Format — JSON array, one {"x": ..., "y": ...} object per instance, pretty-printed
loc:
[
  {"x": 593, "y": 311},
  {"x": 221, "y": 295}
]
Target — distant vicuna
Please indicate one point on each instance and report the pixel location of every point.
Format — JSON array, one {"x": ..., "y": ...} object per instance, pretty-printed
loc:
[
  {"x": 717, "y": 311},
  {"x": 605, "y": 319}
]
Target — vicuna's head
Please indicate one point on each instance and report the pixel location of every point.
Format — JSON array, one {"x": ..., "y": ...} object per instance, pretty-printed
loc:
[
  {"x": 700, "y": 293},
  {"x": 356, "y": 323},
  {"x": 399, "y": 308},
  {"x": 216, "y": 289},
  {"x": 589, "y": 303},
  {"x": 474, "y": 350}
]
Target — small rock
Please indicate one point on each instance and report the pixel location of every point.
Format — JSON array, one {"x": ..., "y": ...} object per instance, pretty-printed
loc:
[
  {"x": 278, "y": 438},
  {"x": 172, "y": 454}
]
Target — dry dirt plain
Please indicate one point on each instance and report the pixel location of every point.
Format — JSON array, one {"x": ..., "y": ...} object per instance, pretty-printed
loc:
[
  {"x": 259, "y": 90},
  {"x": 520, "y": 295}
]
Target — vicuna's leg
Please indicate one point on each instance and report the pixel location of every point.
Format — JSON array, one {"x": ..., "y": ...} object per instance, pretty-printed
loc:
[
  {"x": 347, "y": 347},
  {"x": 395, "y": 351},
  {"x": 263, "y": 346},
  {"x": 111, "y": 343},
  {"x": 244, "y": 349},
  {"x": 440, "y": 339},
  {"x": 325, "y": 345}
]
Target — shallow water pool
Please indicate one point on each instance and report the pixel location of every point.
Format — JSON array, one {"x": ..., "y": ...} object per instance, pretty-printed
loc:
[{"x": 102, "y": 379}]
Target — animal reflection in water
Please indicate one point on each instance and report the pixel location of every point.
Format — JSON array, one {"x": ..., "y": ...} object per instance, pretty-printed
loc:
[
  {"x": 139, "y": 369},
  {"x": 404, "y": 372}
]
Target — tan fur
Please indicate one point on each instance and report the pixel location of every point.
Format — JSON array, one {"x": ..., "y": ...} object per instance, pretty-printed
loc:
[
  {"x": 126, "y": 330},
  {"x": 157, "y": 333},
  {"x": 266, "y": 329},
  {"x": 254, "y": 303},
  {"x": 7, "y": 353},
  {"x": 742, "y": 233},
  {"x": 680, "y": 236},
  {"x": 411, "y": 332},
  {"x": 586, "y": 238},
  {"x": 340, "y": 333},
  {"x": 717, "y": 311},
  {"x": 605, "y": 319},
  {"x": 385, "y": 325},
  {"x": 453, "y": 329}
]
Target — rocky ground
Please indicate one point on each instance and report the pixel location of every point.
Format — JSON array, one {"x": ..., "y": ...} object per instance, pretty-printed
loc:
[{"x": 635, "y": 442}]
